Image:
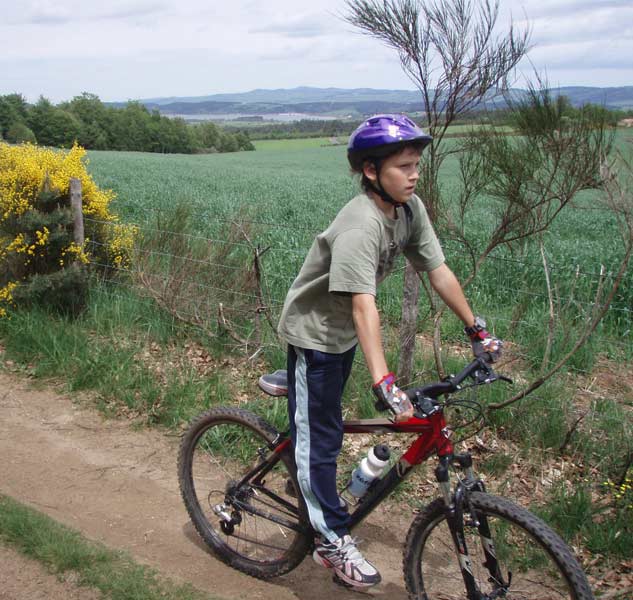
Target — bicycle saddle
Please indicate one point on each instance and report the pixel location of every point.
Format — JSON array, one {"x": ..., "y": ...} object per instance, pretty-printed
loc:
[{"x": 275, "y": 384}]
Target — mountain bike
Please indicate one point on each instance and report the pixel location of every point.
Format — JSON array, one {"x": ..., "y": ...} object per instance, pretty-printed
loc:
[{"x": 238, "y": 480}]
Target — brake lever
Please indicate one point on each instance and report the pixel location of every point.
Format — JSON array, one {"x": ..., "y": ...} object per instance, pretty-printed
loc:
[
  {"x": 487, "y": 375},
  {"x": 484, "y": 375},
  {"x": 425, "y": 406}
]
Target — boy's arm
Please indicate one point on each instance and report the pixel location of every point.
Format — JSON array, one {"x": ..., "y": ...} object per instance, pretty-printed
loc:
[
  {"x": 448, "y": 287},
  {"x": 367, "y": 325}
]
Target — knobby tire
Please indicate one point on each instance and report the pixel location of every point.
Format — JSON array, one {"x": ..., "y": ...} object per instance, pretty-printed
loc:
[
  {"x": 542, "y": 565},
  {"x": 218, "y": 448}
]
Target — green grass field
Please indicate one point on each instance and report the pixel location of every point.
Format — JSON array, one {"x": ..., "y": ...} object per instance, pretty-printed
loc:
[
  {"x": 285, "y": 145},
  {"x": 293, "y": 188}
]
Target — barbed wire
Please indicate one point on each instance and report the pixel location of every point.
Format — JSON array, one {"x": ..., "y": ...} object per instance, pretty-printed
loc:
[
  {"x": 419, "y": 377},
  {"x": 302, "y": 251},
  {"x": 174, "y": 256},
  {"x": 166, "y": 277},
  {"x": 212, "y": 293},
  {"x": 614, "y": 308},
  {"x": 275, "y": 308}
]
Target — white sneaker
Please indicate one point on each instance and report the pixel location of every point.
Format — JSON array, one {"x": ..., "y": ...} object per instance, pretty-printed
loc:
[{"x": 348, "y": 563}]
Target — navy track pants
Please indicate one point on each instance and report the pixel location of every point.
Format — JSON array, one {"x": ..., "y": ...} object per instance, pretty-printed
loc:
[{"x": 315, "y": 387}]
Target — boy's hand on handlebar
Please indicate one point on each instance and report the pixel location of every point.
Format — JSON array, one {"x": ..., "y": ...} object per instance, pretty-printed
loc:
[
  {"x": 391, "y": 397},
  {"x": 489, "y": 349},
  {"x": 484, "y": 345}
]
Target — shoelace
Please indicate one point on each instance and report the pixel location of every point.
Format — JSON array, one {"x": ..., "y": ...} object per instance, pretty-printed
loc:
[{"x": 350, "y": 552}]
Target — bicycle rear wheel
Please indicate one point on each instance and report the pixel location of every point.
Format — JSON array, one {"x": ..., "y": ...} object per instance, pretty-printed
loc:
[
  {"x": 259, "y": 526},
  {"x": 535, "y": 563}
]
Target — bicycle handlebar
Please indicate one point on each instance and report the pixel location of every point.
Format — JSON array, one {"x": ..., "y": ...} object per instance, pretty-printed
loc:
[{"x": 478, "y": 369}]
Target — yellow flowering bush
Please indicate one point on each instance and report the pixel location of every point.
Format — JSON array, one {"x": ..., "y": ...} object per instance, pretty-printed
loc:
[
  {"x": 6, "y": 298},
  {"x": 38, "y": 254}
]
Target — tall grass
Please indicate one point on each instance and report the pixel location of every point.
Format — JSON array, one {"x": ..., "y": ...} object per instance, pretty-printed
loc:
[{"x": 111, "y": 358}]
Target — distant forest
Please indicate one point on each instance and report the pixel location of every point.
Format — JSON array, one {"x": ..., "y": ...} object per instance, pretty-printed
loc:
[
  {"x": 136, "y": 127},
  {"x": 94, "y": 125}
]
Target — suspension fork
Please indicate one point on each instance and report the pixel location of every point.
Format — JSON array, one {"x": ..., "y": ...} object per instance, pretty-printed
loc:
[
  {"x": 456, "y": 504},
  {"x": 455, "y": 520}
]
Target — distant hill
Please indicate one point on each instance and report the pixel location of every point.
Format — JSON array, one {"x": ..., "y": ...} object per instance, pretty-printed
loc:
[
  {"x": 298, "y": 95},
  {"x": 338, "y": 102}
]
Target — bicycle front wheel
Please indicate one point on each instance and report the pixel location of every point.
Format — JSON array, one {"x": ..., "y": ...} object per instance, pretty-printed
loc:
[
  {"x": 534, "y": 563},
  {"x": 256, "y": 524}
]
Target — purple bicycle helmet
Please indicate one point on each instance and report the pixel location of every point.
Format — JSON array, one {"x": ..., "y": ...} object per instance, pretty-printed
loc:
[{"x": 382, "y": 135}]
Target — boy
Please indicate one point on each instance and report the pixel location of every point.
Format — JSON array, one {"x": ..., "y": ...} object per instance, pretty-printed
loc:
[{"x": 331, "y": 307}]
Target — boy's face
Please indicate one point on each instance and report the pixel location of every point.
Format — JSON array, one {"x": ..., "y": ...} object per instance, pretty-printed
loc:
[{"x": 398, "y": 174}]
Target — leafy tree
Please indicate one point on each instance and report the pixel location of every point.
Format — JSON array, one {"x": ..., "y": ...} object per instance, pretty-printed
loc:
[
  {"x": 227, "y": 143},
  {"x": 131, "y": 128},
  {"x": 87, "y": 107},
  {"x": 208, "y": 135},
  {"x": 19, "y": 133},
  {"x": 53, "y": 126},
  {"x": 95, "y": 120},
  {"x": 93, "y": 137},
  {"x": 13, "y": 109},
  {"x": 94, "y": 125},
  {"x": 39, "y": 118},
  {"x": 243, "y": 141}
]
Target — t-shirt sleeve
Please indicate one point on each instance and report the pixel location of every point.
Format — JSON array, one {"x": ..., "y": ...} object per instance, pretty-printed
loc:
[
  {"x": 423, "y": 250},
  {"x": 354, "y": 262}
]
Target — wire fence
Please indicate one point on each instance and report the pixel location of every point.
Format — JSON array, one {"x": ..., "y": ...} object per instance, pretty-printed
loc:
[
  {"x": 589, "y": 278},
  {"x": 197, "y": 283}
]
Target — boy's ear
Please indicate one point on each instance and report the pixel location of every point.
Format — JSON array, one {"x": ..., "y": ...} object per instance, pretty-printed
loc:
[{"x": 369, "y": 170}]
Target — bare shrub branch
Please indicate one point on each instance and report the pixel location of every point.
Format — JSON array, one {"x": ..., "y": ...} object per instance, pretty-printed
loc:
[
  {"x": 618, "y": 198},
  {"x": 450, "y": 52},
  {"x": 195, "y": 279}
]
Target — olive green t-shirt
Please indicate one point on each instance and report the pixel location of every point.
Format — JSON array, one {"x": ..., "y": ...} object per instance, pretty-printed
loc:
[{"x": 353, "y": 255}]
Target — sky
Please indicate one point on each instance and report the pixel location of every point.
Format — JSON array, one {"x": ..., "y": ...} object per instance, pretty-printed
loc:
[{"x": 130, "y": 49}]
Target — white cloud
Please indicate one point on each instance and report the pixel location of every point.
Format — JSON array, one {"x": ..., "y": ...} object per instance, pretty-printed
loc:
[
  {"x": 50, "y": 12},
  {"x": 142, "y": 48}
]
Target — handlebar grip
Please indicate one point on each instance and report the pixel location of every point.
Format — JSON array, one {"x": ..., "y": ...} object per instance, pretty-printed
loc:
[{"x": 381, "y": 406}]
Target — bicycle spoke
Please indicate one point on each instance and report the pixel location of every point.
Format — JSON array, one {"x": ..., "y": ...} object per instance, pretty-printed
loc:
[
  {"x": 264, "y": 516},
  {"x": 535, "y": 575}
]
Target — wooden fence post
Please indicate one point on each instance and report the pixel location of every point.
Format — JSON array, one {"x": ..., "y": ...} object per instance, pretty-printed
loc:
[{"x": 78, "y": 215}]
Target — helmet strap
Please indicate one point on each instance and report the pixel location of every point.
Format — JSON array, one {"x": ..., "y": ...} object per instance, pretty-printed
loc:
[
  {"x": 378, "y": 189},
  {"x": 380, "y": 192},
  {"x": 384, "y": 195}
]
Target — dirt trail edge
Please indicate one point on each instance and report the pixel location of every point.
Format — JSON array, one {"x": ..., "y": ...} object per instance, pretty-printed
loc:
[{"x": 119, "y": 486}]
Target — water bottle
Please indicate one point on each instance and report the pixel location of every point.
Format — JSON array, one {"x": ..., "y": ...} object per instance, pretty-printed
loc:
[{"x": 369, "y": 469}]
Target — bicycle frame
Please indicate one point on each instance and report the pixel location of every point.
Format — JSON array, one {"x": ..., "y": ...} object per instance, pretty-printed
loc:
[{"x": 433, "y": 438}]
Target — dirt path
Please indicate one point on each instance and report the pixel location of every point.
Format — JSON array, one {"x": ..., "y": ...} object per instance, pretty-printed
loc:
[
  {"x": 22, "y": 578},
  {"x": 118, "y": 486}
]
